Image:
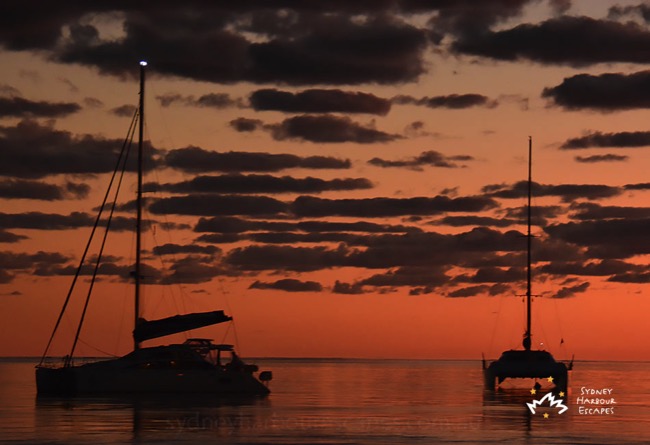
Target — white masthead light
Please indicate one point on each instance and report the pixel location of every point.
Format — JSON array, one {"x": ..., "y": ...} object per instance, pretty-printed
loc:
[{"x": 143, "y": 63}]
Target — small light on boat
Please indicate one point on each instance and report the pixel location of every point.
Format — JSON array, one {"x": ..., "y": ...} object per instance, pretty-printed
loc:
[{"x": 143, "y": 63}]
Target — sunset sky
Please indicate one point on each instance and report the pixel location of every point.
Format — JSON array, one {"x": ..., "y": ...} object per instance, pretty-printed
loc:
[{"x": 344, "y": 178}]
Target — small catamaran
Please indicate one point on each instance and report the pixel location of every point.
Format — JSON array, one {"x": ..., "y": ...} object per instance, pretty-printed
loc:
[
  {"x": 527, "y": 363},
  {"x": 196, "y": 366}
]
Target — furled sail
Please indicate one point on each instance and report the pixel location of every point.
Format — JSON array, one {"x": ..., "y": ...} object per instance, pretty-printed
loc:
[{"x": 146, "y": 330}]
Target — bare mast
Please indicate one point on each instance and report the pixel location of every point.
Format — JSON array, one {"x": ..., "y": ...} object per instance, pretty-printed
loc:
[
  {"x": 527, "y": 336},
  {"x": 138, "y": 226}
]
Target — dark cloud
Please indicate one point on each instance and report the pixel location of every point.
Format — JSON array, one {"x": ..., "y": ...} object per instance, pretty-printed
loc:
[
  {"x": 601, "y": 268},
  {"x": 481, "y": 289},
  {"x": 565, "y": 40},
  {"x": 236, "y": 183},
  {"x": 325, "y": 46},
  {"x": 211, "y": 100},
  {"x": 615, "y": 238},
  {"x": 643, "y": 186},
  {"x": 339, "y": 51},
  {"x": 631, "y": 277},
  {"x": 347, "y": 288},
  {"x": 494, "y": 274},
  {"x": 328, "y": 129},
  {"x": 8, "y": 90},
  {"x": 425, "y": 276},
  {"x": 571, "y": 291},
  {"x": 305, "y": 206},
  {"x": 13, "y": 263},
  {"x": 567, "y": 192},
  {"x": 195, "y": 160},
  {"x": 54, "y": 221},
  {"x": 295, "y": 237},
  {"x": 428, "y": 158},
  {"x": 464, "y": 17},
  {"x": 289, "y": 285},
  {"x": 618, "y": 12},
  {"x": 472, "y": 220},
  {"x": 319, "y": 101},
  {"x": 601, "y": 158},
  {"x": 175, "y": 249},
  {"x": 592, "y": 211},
  {"x": 286, "y": 258},
  {"x": 599, "y": 139},
  {"x": 232, "y": 224},
  {"x": 9, "y": 237},
  {"x": 246, "y": 125},
  {"x": 221, "y": 238},
  {"x": 45, "y": 221},
  {"x": 5, "y": 277},
  {"x": 229, "y": 224},
  {"x": 539, "y": 214},
  {"x": 92, "y": 102},
  {"x": 422, "y": 261},
  {"x": 213, "y": 205},
  {"x": 605, "y": 92},
  {"x": 24, "y": 108},
  {"x": 452, "y": 101},
  {"x": 27, "y": 189},
  {"x": 193, "y": 269},
  {"x": 124, "y": 110},
  {"x": 32, "y": 150}
]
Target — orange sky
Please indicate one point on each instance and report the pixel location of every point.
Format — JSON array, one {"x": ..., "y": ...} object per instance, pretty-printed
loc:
[{"x": 437, "y": 296}]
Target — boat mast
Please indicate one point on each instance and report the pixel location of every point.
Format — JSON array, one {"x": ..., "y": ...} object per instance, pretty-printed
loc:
[
  {"x": 527, "y": 336},
  {"x": 138, "y": 224}
]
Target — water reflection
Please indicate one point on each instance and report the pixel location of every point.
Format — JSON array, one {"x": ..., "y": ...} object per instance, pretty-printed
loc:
[
  {"x": 146, "y": 419},
  {"x": 335, "y": 401}
]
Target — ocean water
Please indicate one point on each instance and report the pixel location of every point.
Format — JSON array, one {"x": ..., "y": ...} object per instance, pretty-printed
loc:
[{"x": 343, "y": 402}]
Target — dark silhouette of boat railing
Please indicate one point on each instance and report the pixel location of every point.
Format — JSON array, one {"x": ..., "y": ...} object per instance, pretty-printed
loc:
[{"x": 527, "y": 363}]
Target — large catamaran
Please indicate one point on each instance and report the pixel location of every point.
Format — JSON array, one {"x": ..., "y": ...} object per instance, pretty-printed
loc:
[
  {"x": 193, "y": 367},
  {"x": 527, "y": 363}
]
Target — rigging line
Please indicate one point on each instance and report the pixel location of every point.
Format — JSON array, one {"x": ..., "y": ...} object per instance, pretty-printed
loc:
[
  {"x": 126, "y": 142},
  {"x": 164, "y": 264},
  {"x": 223, "y": 339},
  {"x": 496, "y": 324},
  {"x": 164, "y": 267},
  {"x": 559, "y": 325},
  {"x": 97, "y": 349},
  {"x": 541, "y": 325},
  {"x": 232, "y": 321},
  {"x": 99, "y": 255}
]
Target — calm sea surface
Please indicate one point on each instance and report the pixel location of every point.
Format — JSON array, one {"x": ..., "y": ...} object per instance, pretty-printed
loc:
[{"x": 342, "y": 402}]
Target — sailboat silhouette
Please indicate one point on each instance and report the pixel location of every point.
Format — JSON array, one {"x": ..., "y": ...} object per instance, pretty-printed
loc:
[
  {"x": 193, "y": 367},
  {"x": 526, "y": 362}
]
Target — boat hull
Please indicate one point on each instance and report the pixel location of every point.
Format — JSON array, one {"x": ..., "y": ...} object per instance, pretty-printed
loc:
[
  {"x": 526, "y": 365},
  {"x": 156, "y": 371}
]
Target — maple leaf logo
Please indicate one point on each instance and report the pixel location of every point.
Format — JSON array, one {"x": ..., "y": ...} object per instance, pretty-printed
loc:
[{"x": 552, "y": 402}]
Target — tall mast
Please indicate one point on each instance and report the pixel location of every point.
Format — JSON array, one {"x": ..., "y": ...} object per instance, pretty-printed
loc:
[
  {"x": 138, "y": 224},
  {"x": 527, "y": 335}
]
